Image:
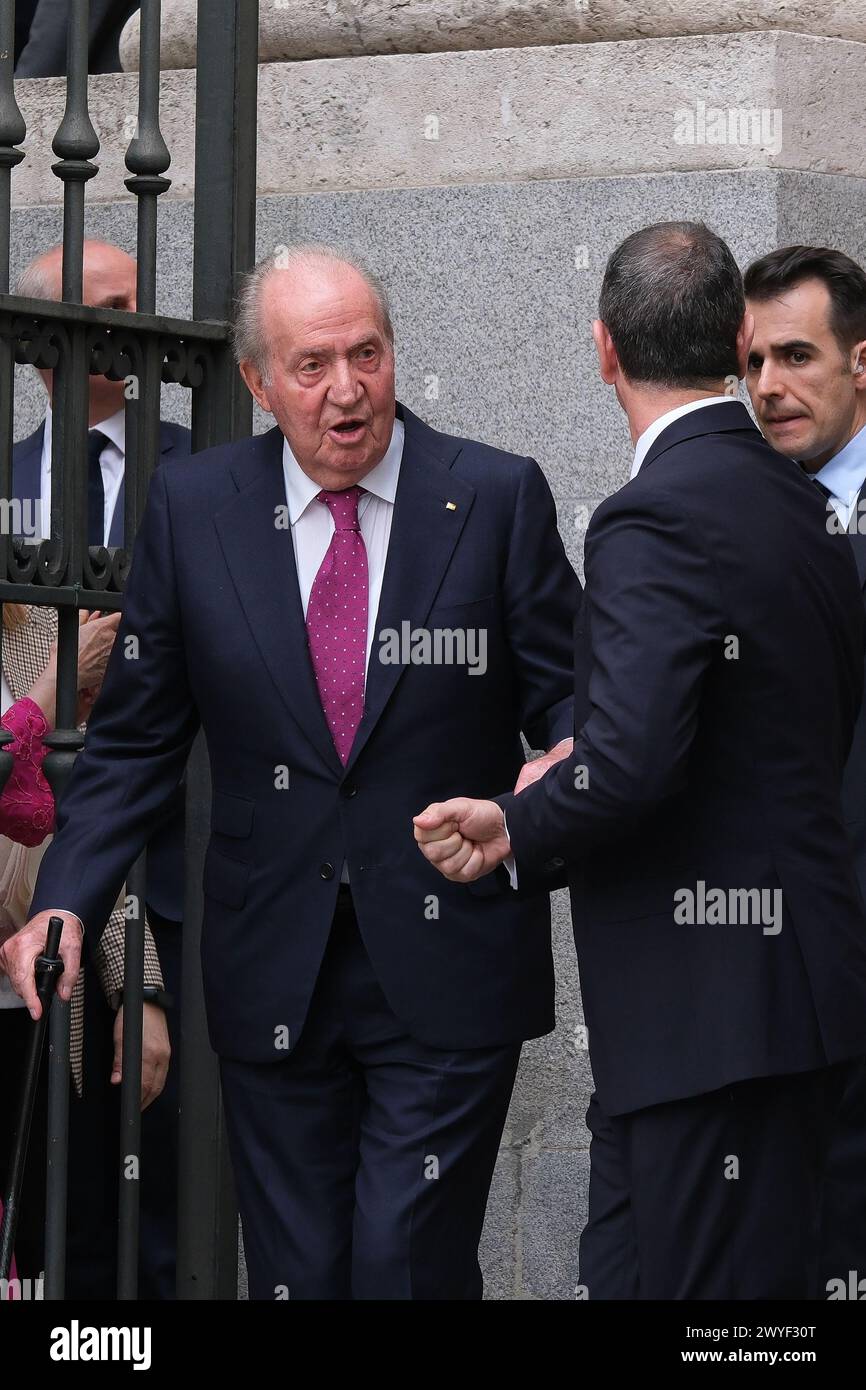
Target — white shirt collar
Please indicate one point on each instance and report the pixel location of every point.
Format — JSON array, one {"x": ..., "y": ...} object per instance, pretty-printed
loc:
[
  {"x": 652, "y": 432},
  {"x": 114, "y": 428},
  {"x": 381, "y": 481}
]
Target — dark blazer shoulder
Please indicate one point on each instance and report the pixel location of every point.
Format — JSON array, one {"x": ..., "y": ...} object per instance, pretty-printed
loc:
[
  {"x": 708, "y": 453},
  {"x": 30, "y": 442},
  {"x": 241, "y": 458},
  {"x": 173, "y": 439},
  {"x": 478, "y": 463}
]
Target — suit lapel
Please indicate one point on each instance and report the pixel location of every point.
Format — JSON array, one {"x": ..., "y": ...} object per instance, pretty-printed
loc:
[
  {"x": 115, "y": 535},
  {"x": 424, "y": 533},
  {"x": 858, "y": 541},
  {"x": 167, "y": 441},
  {"x": 261, "y": 561}
]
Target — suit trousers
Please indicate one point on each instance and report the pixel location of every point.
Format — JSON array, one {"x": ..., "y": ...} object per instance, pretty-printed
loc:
[
  {"x": 843, "y": 1223},
  {"x": 94, "y": 1151},
  {"x": 718, "y": 1196},
  {"x": 363, "y": 1159}
]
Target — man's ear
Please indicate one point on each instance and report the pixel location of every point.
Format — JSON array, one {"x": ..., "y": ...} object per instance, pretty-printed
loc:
[
  {"x": 255, "y": 383},
  {"x": 745, "y": 337},
  {"x": 858, "y": 365},
  {"x": 608, "y": 362}
]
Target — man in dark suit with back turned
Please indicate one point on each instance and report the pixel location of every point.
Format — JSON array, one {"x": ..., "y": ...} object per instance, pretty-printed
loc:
[
  {"x": 359, "y": 611},
  {"x": 807, "y": 382},
  {"x": 720, "y": 935}
]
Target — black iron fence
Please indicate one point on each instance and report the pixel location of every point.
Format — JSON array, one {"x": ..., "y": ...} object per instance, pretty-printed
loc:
[{"x": 64, "y": 572}]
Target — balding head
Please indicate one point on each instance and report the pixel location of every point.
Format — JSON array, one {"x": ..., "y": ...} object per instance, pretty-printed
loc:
[
  {"x": 302, "y": 264},
  {"x": 314, "y": 341},
  {"x": 108, "y": 282},
  {"x": 108, "y": 276}
]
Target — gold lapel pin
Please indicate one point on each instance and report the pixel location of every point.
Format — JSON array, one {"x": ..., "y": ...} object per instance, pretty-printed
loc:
[{"x": 450, "y": 506}]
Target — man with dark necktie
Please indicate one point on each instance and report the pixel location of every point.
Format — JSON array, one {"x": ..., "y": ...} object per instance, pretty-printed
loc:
[
  {"x": 109, "y": 280},
  {"x": 807, "y": 382},
  {"x": 359, "y": 611}
]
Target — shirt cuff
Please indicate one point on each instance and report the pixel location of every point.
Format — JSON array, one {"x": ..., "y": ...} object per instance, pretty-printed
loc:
[
  {"x": 57, "y": 911},
  {"x": 509, "y": 863}
]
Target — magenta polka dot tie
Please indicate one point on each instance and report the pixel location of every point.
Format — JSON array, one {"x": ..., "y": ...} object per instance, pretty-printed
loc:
[{"x": 337, "y": 621}]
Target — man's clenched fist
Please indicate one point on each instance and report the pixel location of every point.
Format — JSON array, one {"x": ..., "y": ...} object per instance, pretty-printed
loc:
[{"x": 463, "y": 839}]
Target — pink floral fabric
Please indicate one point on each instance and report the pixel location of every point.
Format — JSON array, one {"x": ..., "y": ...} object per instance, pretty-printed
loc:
[{"x": 27, "y": 802}]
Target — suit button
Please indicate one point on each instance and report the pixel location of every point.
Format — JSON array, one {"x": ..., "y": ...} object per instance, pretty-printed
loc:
[
  {"x": 553, "y": 864},
  {"x": 327, "y": 871},
  {"x": 348, "y": 789}
]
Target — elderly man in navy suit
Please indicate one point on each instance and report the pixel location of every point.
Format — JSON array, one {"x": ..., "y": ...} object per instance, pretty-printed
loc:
[
  {"x": 362, "y": 614},
  {"x": 109, "y": 281}
]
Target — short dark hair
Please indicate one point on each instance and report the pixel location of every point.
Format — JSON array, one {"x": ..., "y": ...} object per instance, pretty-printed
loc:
[
  {"x": 844, "y": 278},
  {"x": 672, "y": 301}
]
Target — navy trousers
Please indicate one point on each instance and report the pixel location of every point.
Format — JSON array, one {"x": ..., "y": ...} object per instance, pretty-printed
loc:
[
  {"x": 718, "y": 1196},
  {"x": 363, "y": 1160},
  {"x": 843, "y": 1224},
  {"x": 94, "y": 1149}
]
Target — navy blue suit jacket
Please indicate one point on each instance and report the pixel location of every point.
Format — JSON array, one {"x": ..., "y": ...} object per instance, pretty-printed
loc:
[
  {"x": 165, "y": 878},
  {"x": 714, "y": 761},
  {"x": 213, "y": 597}
]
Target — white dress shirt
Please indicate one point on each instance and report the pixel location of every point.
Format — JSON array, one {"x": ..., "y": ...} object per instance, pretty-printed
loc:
[{"x": 111, "y": 462}]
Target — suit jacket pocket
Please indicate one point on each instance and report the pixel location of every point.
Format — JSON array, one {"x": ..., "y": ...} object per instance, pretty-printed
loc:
[
  {"x": 225, "y": 879},
  {"x": 494, "y": 885},
  {"x": 453, "y": 611},
  {"x": 232, "y": 815}
]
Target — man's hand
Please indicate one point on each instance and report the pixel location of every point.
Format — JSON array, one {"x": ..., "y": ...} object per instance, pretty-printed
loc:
[
  {"x": 531, "y": 772},
  {"x": 18, "y": 956},
  {"x": 463, "y": 839},
  {"x": 155, "y": 1052}
]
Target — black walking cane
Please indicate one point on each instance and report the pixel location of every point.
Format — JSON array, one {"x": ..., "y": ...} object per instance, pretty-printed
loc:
[{"x": 49, "y": 968}]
